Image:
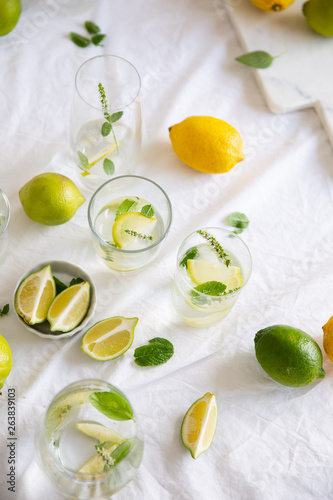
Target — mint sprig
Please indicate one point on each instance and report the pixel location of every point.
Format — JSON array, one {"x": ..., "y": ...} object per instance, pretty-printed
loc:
[
  {"x": 107, "y": 126},
  {"x": 118, "y": 454},
  {"x": 216, "y": 246},
  {"x": 111, "y": 404},
  {"x": 157, "y": 352},
  {"x": 139, "y": 235}
]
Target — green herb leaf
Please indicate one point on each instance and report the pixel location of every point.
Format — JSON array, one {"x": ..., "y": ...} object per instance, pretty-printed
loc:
[
  {"x": 190, "y": 254},
  {"x": 108, "y": 166},
  {"x": 121, "y": 451},
  {"x": 124, "y": 207},
  {"x": 239, "y": 220},
  {"x": 115, "y": 116},
  {"x": 106, "y": 129},
  {"x": 91, "y": 27},
  {"x": 216, "y": 245},
  {"x": 60, "y": 286},
  {"x": 76, "y": 281},
  {"x": 5, "y": 310},
  {"x": 214, "y": 288},
  {"x": 111, "y": 404},
  {"x": 79, "y": 40},
  {"x": 83, "y": 160},
  {"x": 97, "y": 39},
  {"x": 158, "y": 351},
  {"x": 142, "y": 236},
  {"x": 257, "y": 59},
  {"x": 148, "y": 211}
]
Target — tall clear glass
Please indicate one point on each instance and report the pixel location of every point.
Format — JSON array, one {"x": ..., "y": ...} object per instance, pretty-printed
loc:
[
  {"x": 213, "y": 266},
  {"x": 4, "y": 222},
  {"x": 75, "y": 444},
  {"x": 105, "y": 124},
  {"x": 129, "y": 217}
]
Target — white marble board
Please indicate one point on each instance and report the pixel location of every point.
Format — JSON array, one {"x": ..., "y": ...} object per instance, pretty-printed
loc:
[{"x": 303, "y": 76}]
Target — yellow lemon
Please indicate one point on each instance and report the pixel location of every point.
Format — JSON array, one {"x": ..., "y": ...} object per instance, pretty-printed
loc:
[
  {"x": 207, "y": 144},
  {"x": 5, "y": 360},
  {"x": 10, "y": 11},
  {"x": 328, "y": 338},
  {"x": 272, "y": 5}
]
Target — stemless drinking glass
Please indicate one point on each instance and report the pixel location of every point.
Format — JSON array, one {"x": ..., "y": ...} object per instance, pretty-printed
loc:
[
  {"x": 4, "y": 221},
  {"x": 213, "y": 266},
  {"x": 86, "y": 450},
  {"x": 105, "y": 119},
  {"x": 129, "y": 217}
]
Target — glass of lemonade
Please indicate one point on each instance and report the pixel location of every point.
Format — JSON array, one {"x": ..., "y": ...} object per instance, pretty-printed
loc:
[
  {"x": 105, "y": 119},
  {"x": 89, "y": 444},
  {"x": 213, "y": 266},
  {"x": 4, "y": 221},
  {"x": 129, "y": 217}
]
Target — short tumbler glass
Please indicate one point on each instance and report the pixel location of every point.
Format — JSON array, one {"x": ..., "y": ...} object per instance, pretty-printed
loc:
[
  {"x": 76, "y": 435},
  {"x": 197, "y": 295},
  {"x": 124, "y": 238},
  {"x": 4, "y": 222},
  {"x": 105, "y": 131}
]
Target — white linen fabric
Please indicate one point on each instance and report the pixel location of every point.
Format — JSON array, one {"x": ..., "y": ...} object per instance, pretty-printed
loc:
[{"x": 271, "y": 442}]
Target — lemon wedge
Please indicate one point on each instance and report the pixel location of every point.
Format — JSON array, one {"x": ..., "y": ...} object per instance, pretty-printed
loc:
[
  {"x": 131, "y": 221},
  {"x": 99, "y": 432},
  {"x": 69, "y": 307},
  {"x": 202, "y": 271}
]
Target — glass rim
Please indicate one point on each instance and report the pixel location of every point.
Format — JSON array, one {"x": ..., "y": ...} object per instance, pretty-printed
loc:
[
  {"x": 121, "y": 250},
  {"x": 114, "y": 57},
  {"x": 3, "y": 227},
  {"x": 229, "y": 233}
]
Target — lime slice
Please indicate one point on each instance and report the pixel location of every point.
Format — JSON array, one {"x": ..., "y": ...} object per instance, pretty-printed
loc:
[
  {"x": 109, "y": 338},
  {"x": 6, "y": 362},
  {"x": 69, "y": 307},
  {"x": 34, "y": 296},
  {"x": 99, "y": 432},
  {"x": 199, "y": 424},
  {"x": 202, "y": 271},
  {"x": 96, "y": 463},
  {"x": 133, "y": 221}
]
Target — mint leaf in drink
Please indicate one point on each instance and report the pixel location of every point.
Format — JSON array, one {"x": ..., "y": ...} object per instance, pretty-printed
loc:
[
  {"x": 258, "y": 59},
  {"x": 121, "y": 451},
  {"x": 112, "y": 405},
  {"x": 79, "y": 40},
  {"x": 97, "y": 39},
  {"x": 107, "y": 126},
  {"x": 60, "y": 286},
  {"x": 190, "y": 254},
  {"x": 106, "y": 129},
  {"x": 238, "y": 220},
  {"x": 148, "y": 211},
  {"x": 214, "y": 288},
  {"x": 115, "y": 116},
  {"x": 83, "y": 160},
  {"x": 76, "y": 281},
  {"x": 108, "y": 166},
  {"x": 5, "y": 310},
  {"x": 91, "y": 27},
  {"x": 158, "y": 351},
  {"x": 124, "y": 207}
]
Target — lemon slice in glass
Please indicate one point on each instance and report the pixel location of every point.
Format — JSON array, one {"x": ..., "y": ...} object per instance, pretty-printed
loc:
[
  {"x": 199, "y": 424},
  {"x": 131, "y": 221},
  {"x": 99, "y": 432},
  {"x": 69, "y": 307},
  {"x": 202, "y": 271},
  {"x": 96, "y": 463}
]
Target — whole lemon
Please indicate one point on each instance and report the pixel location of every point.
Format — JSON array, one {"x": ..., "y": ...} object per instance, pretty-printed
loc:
[
  {"x": 319, "y": 16},
  {"x": 50, "y": 198},
  {"x": 207, "y": 144},
  {"x": 10, "y": 11},
  {"x": 328, "y": 338},
  {"x": 5, "y": 360},
  {"x": 272, "y": 5}
]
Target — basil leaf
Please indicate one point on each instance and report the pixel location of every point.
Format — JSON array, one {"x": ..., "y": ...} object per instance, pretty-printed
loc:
[
  {"x": 60, "y": 286},
  {"x": 83, "y": 160},
  {"x": 124, "y": 207},
  {"x": 158, "y": 351},
  {"x": 5, "y": 310},
  {"x": 257, "y": 59},
  {"x": 121, "y": 451},
  {"x": 91, "y": 27},
  {"x": 111, "y": 404},
  {"x": 115, "y": 116},
  {"x": 214, "y": 288},
  {"x": 108, "y": 166},
  {"x": 148, "y": 211},
  {"x": 76, "y": 281},
  {"x": 97, "y": 39},
  {"x": 190, "y": 254},
  {"x": 238, "y": 220},
  {"x": 79, "y": 40},
  {"x": 106, "y": 129}
]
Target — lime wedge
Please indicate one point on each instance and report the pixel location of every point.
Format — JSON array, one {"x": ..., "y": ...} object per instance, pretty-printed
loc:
[
  {"x": 133, "y": 221},
  {"x": 96, "y": 463},
  {"x": 199, "y": 424},
  {"x": 99, "y": 432},
  {"x": 69, "y": 307},
  {"x": 202, "y": 271}
]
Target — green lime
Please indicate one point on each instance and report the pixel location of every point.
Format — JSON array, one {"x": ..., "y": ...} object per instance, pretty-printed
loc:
[
  {"x": 319, "y": 16},
  {"x": 10, "y": 11},
  {"x": 288, "y": 355}
]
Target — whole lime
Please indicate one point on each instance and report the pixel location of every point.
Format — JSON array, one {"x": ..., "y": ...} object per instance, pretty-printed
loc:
[
  {"x": 50, "y": 198},
  {"x": 10, "y": 11},
  {"x": 288, "y": 355},
  {"x": 319, "y": 16}
]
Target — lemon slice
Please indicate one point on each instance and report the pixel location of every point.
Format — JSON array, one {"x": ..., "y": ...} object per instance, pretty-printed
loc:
[
  {"x": 109, "y": 338},
  {"x": 102, "y": 155},
  {"x": 69, "y": 307},
  {"x": 99, "y": 432},
  {"x": 34, "y": 296},
  {"x": 202, "y": 271},
  {"x": 96, "y": 463},
  {"x": 199, "y": 424},
  {"x": 133, "y": 221}
]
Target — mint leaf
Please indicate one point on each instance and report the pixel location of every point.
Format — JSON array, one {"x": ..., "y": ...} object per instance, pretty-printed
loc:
[
  {"x": 108, "y": 166},
  {"x": 148, "y": 211},
  {"x": 79, "y": 40},
  {"x": 111, "y": 404},
  {"x": 158, "y": 351},
  {"x": 190, "y": 254},
  {"x": 214, "y": 288},
  {"x": 91, "y": 27},
  {"x": 114, "y": 117},
  {"x": 5, "y": 310},
  {"x": 97, "y": 39},
  {"x": 258, "y": 59},
  {"x": 60, "y": 286},
  {"x": 238, "y": 220},
  {"x": 76, "y": 281},
  {"x": 83, "y": 160},
  {"x": 124, "y": 207},
  {"x": 106, "y": 129},
  {"x": 121, "y": 451}
]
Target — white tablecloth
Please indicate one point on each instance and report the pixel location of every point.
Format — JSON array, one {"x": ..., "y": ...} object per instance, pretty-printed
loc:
[{"x": 271, "y": 442}]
